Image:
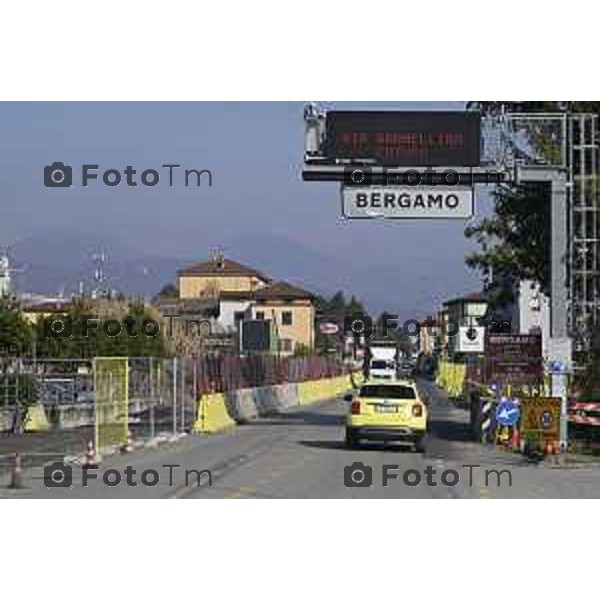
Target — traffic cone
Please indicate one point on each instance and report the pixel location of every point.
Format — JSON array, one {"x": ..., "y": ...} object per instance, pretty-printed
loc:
[
  {"x": 516, "y": 439},
  {"x": 91, "y": 460},
  {"x": 550, "y": 448},
  {"x": 16, "y": 473},
  {"x": 128, "y": 446}
]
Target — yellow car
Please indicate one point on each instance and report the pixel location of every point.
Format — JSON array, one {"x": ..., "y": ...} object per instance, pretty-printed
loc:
[{"x": 387, "y": 411}]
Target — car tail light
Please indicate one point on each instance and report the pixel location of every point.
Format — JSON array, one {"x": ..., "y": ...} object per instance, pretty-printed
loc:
[
  {"x": 355, "y": 408},
  {"x": 417, "y": 410}
]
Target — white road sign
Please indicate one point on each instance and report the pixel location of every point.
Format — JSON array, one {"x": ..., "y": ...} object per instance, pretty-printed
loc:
[
  {"x": 407, "y": 202},
  {"x": 328, "y": 328},
  {"x": 471, "y": 339}
]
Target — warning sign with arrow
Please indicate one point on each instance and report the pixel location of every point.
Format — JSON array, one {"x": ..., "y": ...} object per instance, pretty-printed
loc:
[{"x": 541, "y": 418}]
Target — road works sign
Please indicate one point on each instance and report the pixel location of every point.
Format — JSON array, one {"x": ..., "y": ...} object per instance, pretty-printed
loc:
[
  {"x": 407, "y": 202},
  {"x": 514, "y": 359},
  {"x": 541, "y": 418}
]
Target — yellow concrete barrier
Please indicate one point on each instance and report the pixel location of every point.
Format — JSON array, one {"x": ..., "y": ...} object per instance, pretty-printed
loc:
[
  {"x": 322, "y": 389},
  {"x": 36, "y": 419},
  {"x": 213, "y": 415},
  {"x": 451, "y": 377}
]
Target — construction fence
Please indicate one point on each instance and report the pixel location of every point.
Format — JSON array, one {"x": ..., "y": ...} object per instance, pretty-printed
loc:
[{"x": 113, "y": 398}]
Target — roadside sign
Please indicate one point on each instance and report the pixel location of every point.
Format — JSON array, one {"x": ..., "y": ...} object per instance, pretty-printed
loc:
[
  {"x": 557, "y": 367},
  {"x": 471, "y": 339},
  {"x": 541, "y": 418},
  {"x": 507, "y": 413},
  {"x": 401, "y": 138},
  {"x": 560, "y": 353},
  {"x": 328, "y": 328},
  {"x": 515, "y": 359},
  {"x": 407, "y": 202}
]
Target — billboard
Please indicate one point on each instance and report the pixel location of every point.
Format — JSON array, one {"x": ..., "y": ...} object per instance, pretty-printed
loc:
[
  {"x": 257, "y": 336},
  {"x": 404, "y": 139},
  {"x": 514, "y": 359}
]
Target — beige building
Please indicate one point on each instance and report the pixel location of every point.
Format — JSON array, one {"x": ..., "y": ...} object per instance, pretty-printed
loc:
[
  {"x": 429, "y": 337},
  {"x": 219, "y": 274},
  {"x": 245, "y": 293},
  {"x": 293, "y": 314}
]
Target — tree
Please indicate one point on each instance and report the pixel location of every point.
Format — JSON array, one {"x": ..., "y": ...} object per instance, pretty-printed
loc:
[
  {"x": 15, "y": 341},
  {"x": 337, "y": 305},
  {"x": 170, "y": 290},
  {"x": 15, "y": 334},
  {"x": 515, "y": 241},
  {"x": 95, "y": 341}
]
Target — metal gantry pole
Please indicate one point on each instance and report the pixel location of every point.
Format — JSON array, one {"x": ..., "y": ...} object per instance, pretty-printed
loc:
[
  {"x": 559, "y": 346},
  {"x": 174, "y": 396},
  {"x": 152, "y": 400},
  {"x": 182, "y": 377}
]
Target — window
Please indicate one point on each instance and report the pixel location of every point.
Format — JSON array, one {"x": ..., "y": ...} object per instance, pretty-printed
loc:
[
  {"x": 285, "y": 345},
  {"x": 286, "y": 317},
  {"x": 238, "y": 316},
  {"x": 260, "y": 315},
  {"x": 395, "y": 392},
  {"x": 382, "y": 364}
]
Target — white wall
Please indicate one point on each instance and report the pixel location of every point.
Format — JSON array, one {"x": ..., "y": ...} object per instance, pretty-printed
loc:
[{"x": 228, "y": 308}]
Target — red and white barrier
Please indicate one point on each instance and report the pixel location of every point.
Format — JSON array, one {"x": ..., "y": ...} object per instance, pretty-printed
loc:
[{"x": 584, "y": 413}]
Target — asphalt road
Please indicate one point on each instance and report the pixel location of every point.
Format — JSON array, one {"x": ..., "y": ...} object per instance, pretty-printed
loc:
[{"x": 301, "y": 454}]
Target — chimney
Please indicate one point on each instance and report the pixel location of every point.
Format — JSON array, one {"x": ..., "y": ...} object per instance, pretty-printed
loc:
[{"x": 219, "y": 259}]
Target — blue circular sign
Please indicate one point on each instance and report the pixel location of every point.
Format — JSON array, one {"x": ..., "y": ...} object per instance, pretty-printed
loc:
[{"x": 507, "y": 413}]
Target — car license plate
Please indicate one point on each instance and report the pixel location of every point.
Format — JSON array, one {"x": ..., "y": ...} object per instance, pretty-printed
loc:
[{"x": 385, "y": 408}]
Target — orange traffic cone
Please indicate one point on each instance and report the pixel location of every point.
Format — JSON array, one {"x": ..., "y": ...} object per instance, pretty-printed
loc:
[
  {"x": 516, "y": 439},
  {"x": 16, "y": 473},
  {"x": 91, "y": 460}
]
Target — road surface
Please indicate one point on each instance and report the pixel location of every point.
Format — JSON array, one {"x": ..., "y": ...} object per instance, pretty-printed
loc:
[{"x": 301, "y": 454}]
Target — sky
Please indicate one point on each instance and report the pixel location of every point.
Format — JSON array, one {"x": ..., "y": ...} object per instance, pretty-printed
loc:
[{"x": 254, "y": 151}]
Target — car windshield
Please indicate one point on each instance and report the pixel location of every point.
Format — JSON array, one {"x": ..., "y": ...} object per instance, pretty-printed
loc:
[
  {"x": 397, "y": 392},
  {"x": 381, "y": 364}
]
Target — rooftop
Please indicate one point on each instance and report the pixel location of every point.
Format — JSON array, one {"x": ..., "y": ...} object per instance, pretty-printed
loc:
[
  {"x": 282, "y": 290},
  {"x": 473, "y": 297},
  {"x": 222, "y": 267}
]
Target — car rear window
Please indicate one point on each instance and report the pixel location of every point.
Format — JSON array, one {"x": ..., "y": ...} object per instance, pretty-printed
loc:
[
  {"x": 382, "y": 364},
  {"x": 397, "y": 392}
]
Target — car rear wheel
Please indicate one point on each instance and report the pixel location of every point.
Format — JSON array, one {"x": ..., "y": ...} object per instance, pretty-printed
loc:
[
  {"x": 351, "y": 440},
  {"x": 420, "y": 444}
]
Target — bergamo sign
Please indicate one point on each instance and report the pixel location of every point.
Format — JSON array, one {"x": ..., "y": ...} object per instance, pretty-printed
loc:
[{"x": 407, "y": 202}]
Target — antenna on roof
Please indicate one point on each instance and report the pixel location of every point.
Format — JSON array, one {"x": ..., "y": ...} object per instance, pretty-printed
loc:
[
  {"x": 219, "y": 257},
  {"x": 101, "y": 287}
]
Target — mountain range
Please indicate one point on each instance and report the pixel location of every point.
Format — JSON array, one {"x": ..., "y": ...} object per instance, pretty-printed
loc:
[{"x": 58, "y": 262}]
